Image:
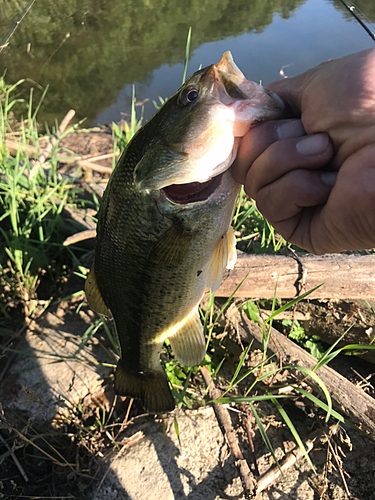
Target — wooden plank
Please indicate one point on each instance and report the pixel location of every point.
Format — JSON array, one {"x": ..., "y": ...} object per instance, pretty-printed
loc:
[
  {"x": 344, "y": 276},
  {"x": 347, "y": 398}
]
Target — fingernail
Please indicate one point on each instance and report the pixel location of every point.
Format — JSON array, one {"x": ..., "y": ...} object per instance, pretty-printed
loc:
[
  {"x": 313, "y": 145},
  {"x": 290, "y": 128},
  {"x": 329, "y": 178}
]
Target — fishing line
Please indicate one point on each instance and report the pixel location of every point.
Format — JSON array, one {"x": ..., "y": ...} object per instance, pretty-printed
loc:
[
  {"x": 15, "y": 25},
  {"x": 351, "y": 9}
]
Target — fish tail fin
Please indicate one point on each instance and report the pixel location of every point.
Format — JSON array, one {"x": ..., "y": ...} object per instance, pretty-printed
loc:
[{"x": 151, "y": 388}]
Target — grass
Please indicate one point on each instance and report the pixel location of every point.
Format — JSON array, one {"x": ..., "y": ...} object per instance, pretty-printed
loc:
[
  {"x": 31, "y": 205},
  {"x": 32, "y": 232}
]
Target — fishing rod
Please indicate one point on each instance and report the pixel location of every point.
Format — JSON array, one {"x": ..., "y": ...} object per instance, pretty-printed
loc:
[
  {"x": 351, "y": 9},
  {"x": 15, "y": 25}
]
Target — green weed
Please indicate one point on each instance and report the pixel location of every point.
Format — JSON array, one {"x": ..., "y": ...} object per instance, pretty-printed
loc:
[
  {"x": 254, "y": 228},
  {"x": 32, "y": 200},
  {"x": 297, "y": 333},
  {"x": 123, "y": 133}
]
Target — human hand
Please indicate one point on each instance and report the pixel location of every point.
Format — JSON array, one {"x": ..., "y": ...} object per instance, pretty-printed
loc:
[{"x": 318, "y": 190}]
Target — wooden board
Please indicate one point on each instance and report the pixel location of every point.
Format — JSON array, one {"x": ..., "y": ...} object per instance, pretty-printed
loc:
[{"x": 344, "y": 276}]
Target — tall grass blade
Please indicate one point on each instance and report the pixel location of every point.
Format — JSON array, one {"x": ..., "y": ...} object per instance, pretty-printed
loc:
[
  {"x": 213, "y": 376},
  {"x": 321, "y": 385},
  {"x": 293, "y": 431},
  {"x": 187, "y": 53},
  {"x": 133, "y": 119},
  {"x": 320, "y": 404},
  {"x": 328, "y": 355},
  {"x": 225, "y": 306},
  {"x": 263, "y": 434}
]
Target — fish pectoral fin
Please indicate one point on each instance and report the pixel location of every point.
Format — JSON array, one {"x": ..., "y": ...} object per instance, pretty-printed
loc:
[
  {"x": 232, "y": 252},
  {"x": 172, "y": 247},
  {"x": 93, "y": 295},
  {"x": 188, "y": 343},
  {"x": 224, "y": 256},
  {"x": 151, "y": 388}
]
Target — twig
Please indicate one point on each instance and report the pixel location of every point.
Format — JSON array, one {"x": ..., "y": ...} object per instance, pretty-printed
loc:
[
  {"x": 339, "y": 465},
  {"x": 14, "y": 146},
  {"x": 32, "y": 151},
  {"x": 91, "y": 165},
  {"x": 250, "y": 434},
  {"x": 290, "y": 459},
  {"x": 15, "y": 459},
  {"x": 54, "y": 460},
  {"x": 81, "y": 236},
  {"x": 90, "y": 158},
  {"x": 224, "y": 420},
  {"x": 348, "y": 398},
  {"x": 52, "y": 141},
  {"x": 365, "y": 383}
]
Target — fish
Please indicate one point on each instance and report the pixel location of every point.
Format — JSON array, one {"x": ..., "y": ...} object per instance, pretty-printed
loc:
[{"x": 164, "y": 231}]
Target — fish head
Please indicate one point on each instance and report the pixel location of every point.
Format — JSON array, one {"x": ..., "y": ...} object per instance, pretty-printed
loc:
[{"x": 197, "y": 131}]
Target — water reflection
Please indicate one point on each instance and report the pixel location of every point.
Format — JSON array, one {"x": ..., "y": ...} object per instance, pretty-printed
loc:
[
  {"x": 89, "y": 51},
  {"x": 365, "y": 9}
]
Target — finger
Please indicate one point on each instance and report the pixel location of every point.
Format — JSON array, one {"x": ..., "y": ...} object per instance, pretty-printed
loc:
[
  {"x": 310, "y": 152},
  {"x": 282, "y": 200},
  {"x": 258, "y": 139},
  {"x": 347, "y": 220}
]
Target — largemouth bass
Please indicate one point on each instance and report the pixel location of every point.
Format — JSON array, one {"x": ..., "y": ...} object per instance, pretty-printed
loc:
[{"x": 164, "y": 229}]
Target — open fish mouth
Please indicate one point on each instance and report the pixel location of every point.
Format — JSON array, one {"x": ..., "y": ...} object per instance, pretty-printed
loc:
[{"x": 193, "y": 192}]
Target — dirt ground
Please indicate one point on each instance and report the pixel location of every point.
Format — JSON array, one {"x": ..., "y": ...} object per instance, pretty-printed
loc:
[
  {"x": 63, "y": 434},
  {"x": 40, "y": 397}
]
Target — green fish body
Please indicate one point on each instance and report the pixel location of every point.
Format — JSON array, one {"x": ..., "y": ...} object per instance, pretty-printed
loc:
[{"x": 164, "y": 232}]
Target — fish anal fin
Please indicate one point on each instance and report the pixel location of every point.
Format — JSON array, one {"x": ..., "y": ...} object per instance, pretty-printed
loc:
[
  {"x": 93, "y": 295},
  {"x": 172, "y": 247},
  {"x": 188, "y": 343},
  {"x": 224, "y": 256},
  {"x": 151, "y": 388}
]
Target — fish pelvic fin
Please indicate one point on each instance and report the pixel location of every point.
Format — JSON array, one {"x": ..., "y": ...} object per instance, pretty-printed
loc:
[
  {"x": 224, "y": 256},
  {"x": 188, "y": 343},
  {"x": 151, "y": 388},
  {"x": 94, "y": 297}
]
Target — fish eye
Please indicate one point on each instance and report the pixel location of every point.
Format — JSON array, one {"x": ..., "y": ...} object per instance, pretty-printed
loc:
[{"x": 189, "y": 95}]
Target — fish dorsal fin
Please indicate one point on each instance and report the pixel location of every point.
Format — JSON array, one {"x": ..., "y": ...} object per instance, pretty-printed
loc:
[
  {"x": 94, "y": 297},
  {"x": 188, "y": 343},
  {"x": 151, "y": 388},
  {"x": 224, "y": 256},
  {"x": 172, "y": 247}
]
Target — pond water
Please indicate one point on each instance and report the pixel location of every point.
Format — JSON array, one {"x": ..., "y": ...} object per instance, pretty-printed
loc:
[{"x": 91, "y": 52}]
